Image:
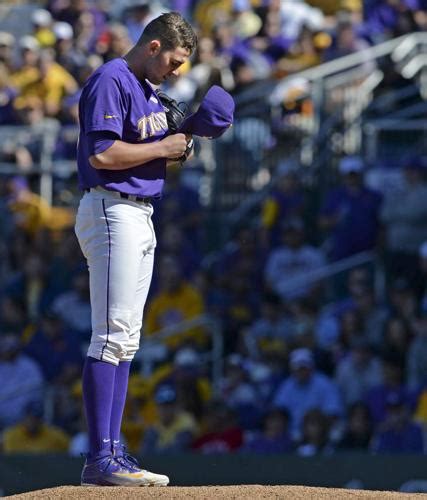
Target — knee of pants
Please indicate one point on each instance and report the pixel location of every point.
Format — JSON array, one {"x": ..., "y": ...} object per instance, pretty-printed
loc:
[
  {"x": 132, "y": 346},
  {"x": 110, "y": 351},
  {"x": 110, "y": 339}
]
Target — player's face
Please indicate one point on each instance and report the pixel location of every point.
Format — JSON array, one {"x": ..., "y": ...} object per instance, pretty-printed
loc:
[{"x": 167, "y": 63}]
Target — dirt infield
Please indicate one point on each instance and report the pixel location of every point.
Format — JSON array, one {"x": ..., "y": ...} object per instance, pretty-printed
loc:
[{"x": 208, "y": 492}]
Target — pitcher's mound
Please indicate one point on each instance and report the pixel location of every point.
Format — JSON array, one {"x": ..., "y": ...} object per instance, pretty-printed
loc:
[{"x": 247, "y": 492}]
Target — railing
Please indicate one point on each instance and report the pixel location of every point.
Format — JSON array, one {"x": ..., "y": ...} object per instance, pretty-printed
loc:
[
  {"x": 44, "y": 136},
  {"x": 153, "y": 348},
  {"x": 334, "y": 129}
]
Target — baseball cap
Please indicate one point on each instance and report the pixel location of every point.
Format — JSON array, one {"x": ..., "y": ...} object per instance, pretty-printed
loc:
[
  {"x": 214, "y": 116},
  {"x": 165, "y": 394},
  {"x": 301, "y": 358},
  {"x": 6, "y": 39},
  {"x": 29, "y": 42},
  {"x": 63, "y": 31},
  {"x": 351, "y": 164},
  {"x": 41, "y": 17}
]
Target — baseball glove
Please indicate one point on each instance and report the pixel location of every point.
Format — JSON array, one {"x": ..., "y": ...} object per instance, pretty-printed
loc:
[{"x": 175, "y": 114}]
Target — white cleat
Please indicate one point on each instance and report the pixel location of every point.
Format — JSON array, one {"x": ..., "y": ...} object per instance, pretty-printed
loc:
[{"x": 151, "y": 479}]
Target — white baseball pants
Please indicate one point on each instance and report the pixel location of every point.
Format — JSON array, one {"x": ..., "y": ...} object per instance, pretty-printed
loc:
[{"x": 117, "y": 238}]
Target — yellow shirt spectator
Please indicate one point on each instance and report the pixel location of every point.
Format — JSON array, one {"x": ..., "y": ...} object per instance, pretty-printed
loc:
[
  {"x": 176, "y": 301},
  {"x": 21, "y": 439}
]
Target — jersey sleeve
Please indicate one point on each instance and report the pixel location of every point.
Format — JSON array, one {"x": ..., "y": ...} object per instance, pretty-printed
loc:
[{"x": 103, "y": 105}]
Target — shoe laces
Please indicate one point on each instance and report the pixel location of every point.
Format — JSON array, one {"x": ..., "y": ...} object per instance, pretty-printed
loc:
[{"x": 126, "y": 459}]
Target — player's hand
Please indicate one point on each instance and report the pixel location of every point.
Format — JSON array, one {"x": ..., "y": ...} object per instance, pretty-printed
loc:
[{"x": 174, "y": 146}]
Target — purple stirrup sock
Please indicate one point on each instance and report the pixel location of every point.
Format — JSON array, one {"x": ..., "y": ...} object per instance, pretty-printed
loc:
[
  {"x": 119, "y": 399},
  {"x": 98, "y": 387}
]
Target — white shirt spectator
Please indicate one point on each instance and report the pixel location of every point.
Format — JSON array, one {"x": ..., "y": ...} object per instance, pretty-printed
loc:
[{"x": 286, "y": 265}]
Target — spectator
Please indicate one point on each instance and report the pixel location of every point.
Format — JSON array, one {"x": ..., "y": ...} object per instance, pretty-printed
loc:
[
  {"x": 114, "y": 42},
  {"x": 306, "y": 389},
  {"x": 416, "y": 366},
  {"x": 397, "y": 434},
  {"x": 42, "y": 27},
  {"x": 285, "y": 201},
  {"x": 405, "y": 221},
  {"x": 351, "y": 329},
  {"x": 7, "y": 95},
  {"x": 271, "y": 325},
  {"x": 349, "y": 213},
  {"x": 21, "y": 380},
  {"x": 219, "y": 431},
  {"x": 66, "y": 54},
  {"x": 402, "y": 300},
  {"x": 372, "y": 313},
  {"x": 315, "y": 435},
  {"x": 274, "y": 436},
  {"x": 288, "y": 267},
  {"x": 189, "y": 377},
  {"x": 346, "y": 42},
  {"x": 397, "y": 338},
  {"x": 175, "y": 301},
  {"x": 7, "y": 43},
  {"x": 174, "y": 242},
  {"x": 33, "y": 435},
  {"x": 54, "y": 348},
  {"x": 13, "y": 315},
  {"x": 358, "y": 430},
  {"x": 175, "y": 428},
  {"x": 239, "y": 394},
  {"x": 73, "y": 306},
  {"x": 330, "y": 316},
  {"x": 358, "y": 372},
  {"x": 385, "y": 19},
  {"x": 27, "y": 74},
  {"x": 393, "y": 383},
  {"x": 31, "y": 286}
]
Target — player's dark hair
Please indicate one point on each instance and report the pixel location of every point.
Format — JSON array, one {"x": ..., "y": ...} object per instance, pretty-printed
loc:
[{"x": 172, "y": 30}]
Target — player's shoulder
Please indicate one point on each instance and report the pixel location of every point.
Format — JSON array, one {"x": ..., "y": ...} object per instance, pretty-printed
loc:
[
  {"x": 111, "y": 70},
  {"x": 116, "y": 64}
]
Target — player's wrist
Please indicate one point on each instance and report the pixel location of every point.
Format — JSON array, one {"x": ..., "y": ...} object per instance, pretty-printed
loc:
[{"x": 160, "y": 149}]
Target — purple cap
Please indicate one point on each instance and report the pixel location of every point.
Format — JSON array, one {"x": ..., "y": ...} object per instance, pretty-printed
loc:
[{"x": 214, "y": 116}]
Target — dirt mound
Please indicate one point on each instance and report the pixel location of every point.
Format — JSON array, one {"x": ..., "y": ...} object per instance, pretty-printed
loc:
[{"x": 211, "y": 492}]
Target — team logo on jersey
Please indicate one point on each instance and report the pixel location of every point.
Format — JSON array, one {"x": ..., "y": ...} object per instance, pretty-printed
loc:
[
  {"x": 153, "y": 99},
  {"x": 108, "y": 116},
  {"x": 152, "y": 124}
]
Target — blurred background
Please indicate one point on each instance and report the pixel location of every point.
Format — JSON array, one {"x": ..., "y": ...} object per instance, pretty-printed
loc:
[{"x": 288, "y": 312}]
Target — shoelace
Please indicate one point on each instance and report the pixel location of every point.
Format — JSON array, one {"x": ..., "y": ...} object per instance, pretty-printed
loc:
[
  {"x": 110, "y": 459},
  {"x": 126, "y": 459}
]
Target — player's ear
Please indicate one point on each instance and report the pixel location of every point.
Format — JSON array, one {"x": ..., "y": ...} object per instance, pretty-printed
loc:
[{"x": 155, "y": 47}]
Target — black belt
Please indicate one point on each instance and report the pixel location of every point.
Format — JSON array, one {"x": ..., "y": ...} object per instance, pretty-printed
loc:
[{"x": 126, "y": 196}]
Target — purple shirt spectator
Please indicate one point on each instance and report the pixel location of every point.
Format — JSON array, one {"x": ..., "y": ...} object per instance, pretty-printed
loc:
[{"x": 351, "y": 212}]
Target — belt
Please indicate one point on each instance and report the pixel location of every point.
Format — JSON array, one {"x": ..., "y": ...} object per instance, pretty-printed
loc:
[{"x": 126, "y": 196}]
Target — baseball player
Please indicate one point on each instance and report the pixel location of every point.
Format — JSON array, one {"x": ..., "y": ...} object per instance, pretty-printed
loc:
[{"x": 123, "y": 151}]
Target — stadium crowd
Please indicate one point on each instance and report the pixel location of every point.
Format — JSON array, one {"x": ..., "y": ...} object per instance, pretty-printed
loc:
[{"x": 310, "y": 367}]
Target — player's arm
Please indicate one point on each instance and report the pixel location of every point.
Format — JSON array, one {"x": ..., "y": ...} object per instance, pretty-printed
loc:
[{"x": 119, "y": 155}]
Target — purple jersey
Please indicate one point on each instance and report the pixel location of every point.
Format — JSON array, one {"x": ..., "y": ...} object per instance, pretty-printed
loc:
[{"x": 115, "y": 101}]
